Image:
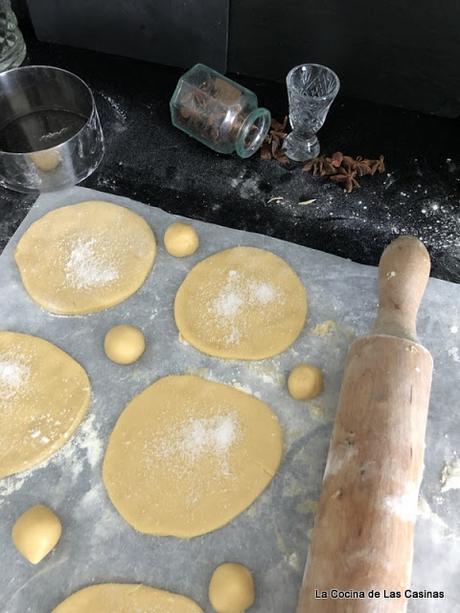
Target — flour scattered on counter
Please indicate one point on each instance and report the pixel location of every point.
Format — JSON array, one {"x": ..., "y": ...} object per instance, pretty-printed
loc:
[
  {"x": 93, "y": 504},
  {"x": 454, "y": 329},
  {"x": 119, "y": 111},
  {"x": 450, "y": 477},
  {"x": 12, "y": 484},
  {"x": 86, "y": 447},
  {"x": 454, "y": 353}
]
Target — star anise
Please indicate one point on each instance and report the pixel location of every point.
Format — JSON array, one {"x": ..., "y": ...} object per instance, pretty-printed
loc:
[
  {"x": 343, "y": 169},
  {"x": 273, "y": 143}
]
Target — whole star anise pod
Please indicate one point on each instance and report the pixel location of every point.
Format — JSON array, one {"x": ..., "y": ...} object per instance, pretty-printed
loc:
[
  {"x": 343, "y": 169},
  {"x": 273, "y": 143}
]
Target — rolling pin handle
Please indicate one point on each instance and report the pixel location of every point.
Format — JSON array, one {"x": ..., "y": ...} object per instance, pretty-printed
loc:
[{"x": 404, "y": 270}]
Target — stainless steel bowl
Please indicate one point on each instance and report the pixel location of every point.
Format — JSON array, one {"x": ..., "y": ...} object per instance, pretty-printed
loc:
[{"x": 50, "y": 133}]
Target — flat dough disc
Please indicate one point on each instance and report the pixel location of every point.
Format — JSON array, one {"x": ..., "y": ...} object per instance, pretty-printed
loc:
[
  {"x": 241, "y": 303},
  {"x": 188, "y": 455},
  {"x": 126, "y": 598},
  {"x": 85, "y": 257},
  {"x": 44, "y": 395}
]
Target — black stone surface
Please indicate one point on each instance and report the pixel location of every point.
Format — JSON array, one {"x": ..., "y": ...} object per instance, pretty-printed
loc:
[{"x": 149, "y": 160}]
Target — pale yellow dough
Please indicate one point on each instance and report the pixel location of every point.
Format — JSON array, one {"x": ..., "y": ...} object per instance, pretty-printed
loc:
[
  {"x": 124, "y": 344},
  {"x": 241, "y": 303},
  {"x": 181, "y": 240},
  {"x": 36, "y": 532},
  {"x": 44, "y": 395},
  {"x": 126, "y": 598},
  {"x": 85, "y": 257},
  {"x": 305, "y": 381},
  {"x": 188, "y": 455},
  {"x": 46, "y": 160},
  {"x": 231, "y": 589}
]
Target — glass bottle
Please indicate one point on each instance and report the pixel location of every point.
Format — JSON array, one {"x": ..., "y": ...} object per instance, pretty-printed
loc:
[
  {"x": 218, "y": 112},
  {"x": 12, "y": 46}
]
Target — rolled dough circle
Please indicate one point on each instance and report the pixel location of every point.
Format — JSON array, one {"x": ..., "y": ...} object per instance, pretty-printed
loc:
[
  {"x": 181, "y": 240},
  {"x": 124, "y": 344},
  {"x": 241, "y": 303},
  {"x": 305, "y": 381},
  {"x": 85, "y": 257},
  {"x": 125, "y": 598},
  {"x": 44, "y": 395},
  {"x": 188, "y": 455},
  {"x": 231, "y": 589}
]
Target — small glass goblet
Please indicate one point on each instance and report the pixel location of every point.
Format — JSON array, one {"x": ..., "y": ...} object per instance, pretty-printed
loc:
[{"x": 311, "y": 91}]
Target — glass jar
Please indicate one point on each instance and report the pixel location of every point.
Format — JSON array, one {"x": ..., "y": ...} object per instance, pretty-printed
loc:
[
  {"x": 219, "y": 112},
  {"x": 12, "y": 46}
]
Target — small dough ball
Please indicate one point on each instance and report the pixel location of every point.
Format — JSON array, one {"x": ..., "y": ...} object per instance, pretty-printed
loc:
[
  {"x": 181, "y": 240},
  {"x": 36, "y": 532},
  {"x": 305, "y": 382},
  {"x": 231, "y": 589},
  {"x": 124, "y": 344},
  {"x": 46, "y": 160}
]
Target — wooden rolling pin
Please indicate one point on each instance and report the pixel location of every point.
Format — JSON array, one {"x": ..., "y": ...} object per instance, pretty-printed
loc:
[{"x": 364, "y": 526}]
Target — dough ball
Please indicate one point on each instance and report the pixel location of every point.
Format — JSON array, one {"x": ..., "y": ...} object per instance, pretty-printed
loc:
[
  {"x": 181, "y": 240},
  {"x": 126, "y": 598},
  {"x": 305, "y": 382},
  {"x": 124, "y": 344},
  {"x": 46, "y": 160},
  {"x": 231, "y": 589},
  {"x": 36, "y": 533}
]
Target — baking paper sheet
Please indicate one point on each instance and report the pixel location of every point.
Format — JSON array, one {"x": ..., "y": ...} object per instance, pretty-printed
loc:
[{"x": 272, "y": 537}]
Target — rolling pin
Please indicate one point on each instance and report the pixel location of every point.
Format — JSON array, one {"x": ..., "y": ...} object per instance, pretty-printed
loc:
[{"x": 362, "y": 540}]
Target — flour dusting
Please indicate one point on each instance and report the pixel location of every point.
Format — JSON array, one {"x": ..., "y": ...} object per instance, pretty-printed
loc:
[
  {"x": 87, "y": 268},
  {"x": 404, "y": 506},
  {"x": 14, "y": 375},
  {"x": 238, "y": 294},
  {"x": 197, "y": 440},
  {"x": 208, "y": 435},
  {"x": 212, "y": 436},
  {"x": 84, "y": 449}
]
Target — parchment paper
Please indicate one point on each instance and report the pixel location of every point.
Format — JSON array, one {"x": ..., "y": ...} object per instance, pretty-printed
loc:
[{"x": 271, "y": 538}]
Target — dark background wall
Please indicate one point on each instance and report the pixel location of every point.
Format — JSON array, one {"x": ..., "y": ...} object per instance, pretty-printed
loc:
[{"x": 400, "y": 52}]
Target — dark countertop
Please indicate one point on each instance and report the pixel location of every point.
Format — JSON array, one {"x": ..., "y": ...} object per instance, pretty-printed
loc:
[{"x": 149, "y": 160}]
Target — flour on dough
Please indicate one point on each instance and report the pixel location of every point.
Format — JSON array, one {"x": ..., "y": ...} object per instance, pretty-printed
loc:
[
  {"x": 44, "y": 395},
  {"x": 85, "y": 257},
  {"x": 241, "y": 303},
  {"x": 126, "y": 598},
  {"x": 187, "y": 455}
]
